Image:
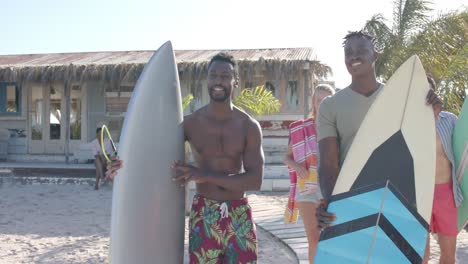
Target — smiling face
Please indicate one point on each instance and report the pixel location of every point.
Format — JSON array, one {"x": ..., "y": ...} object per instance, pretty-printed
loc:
[
  {"x": 221, "y": 81},
  {"x": 360, "y": 56}
]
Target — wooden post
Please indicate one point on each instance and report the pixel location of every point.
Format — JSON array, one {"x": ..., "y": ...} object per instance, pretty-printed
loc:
[
  {"x": 305, "y": 72},
  {"x": 67, "y": 121}
]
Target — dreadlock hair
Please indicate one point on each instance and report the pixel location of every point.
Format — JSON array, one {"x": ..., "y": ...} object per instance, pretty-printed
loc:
[
  {"x": 358, "y": 34},
  {"x": 225, "y": 57}
]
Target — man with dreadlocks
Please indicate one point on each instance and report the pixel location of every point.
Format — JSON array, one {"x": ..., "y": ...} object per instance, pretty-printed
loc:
[{"x": 341, "y": 115}]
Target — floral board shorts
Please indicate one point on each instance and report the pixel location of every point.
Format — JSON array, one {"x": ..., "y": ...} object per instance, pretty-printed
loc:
[{"x": 222, "y": 232}]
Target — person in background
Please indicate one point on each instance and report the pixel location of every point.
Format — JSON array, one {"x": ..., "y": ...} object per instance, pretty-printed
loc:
[
  {"x": 447, "y": 193},
  {"x": 301, "y": 158},
  {"x": 100, "y": 161}
]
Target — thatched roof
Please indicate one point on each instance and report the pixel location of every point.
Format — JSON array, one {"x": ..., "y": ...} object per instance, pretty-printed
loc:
[{"x": 126, "y": 66}]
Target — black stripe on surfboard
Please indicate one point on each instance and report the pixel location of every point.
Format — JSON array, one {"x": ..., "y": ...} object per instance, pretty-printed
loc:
[
  {"x": 349, "y": 227},
  {"x": 413, "y": 210},
  {"x": 392, "y": 161},
  {"x": 400, "y": 242},
  {"x": 371, "y": 221}
]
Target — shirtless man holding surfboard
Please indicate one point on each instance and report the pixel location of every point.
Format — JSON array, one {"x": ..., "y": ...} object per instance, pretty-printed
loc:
[{"x": 227, "y": 147}]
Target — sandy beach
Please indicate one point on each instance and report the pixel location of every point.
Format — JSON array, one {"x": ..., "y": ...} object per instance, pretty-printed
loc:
[
  {"x": 54, "y": 223},
  {"x": 71, "y": 224}
]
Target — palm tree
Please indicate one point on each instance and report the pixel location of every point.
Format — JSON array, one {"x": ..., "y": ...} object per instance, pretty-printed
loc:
[
  {"x": 441, "y": 44},
  {"x": 257, "y": 101}
]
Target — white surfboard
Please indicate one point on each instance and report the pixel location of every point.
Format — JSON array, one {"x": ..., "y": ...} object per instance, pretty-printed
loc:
[{"x": 147, "y": 223}]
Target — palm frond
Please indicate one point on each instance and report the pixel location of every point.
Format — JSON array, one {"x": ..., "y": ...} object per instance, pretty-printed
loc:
[
  {"x": 454, "y": 86},
  {"x": 409, "y": 15},
  {"x": 377, "y": 27},
  {"x": 320, "y": 69},
  {"x": 186, "y": 101},
  {"x": 398, "y": 6},
  {"x": 385, "y": 42},
  {"x": 257, "y": 101},
  {"x": 443, "y": 49}
]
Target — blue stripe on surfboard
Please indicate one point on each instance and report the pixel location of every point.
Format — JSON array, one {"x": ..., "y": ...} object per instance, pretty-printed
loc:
[
  {"x": 357, "y": 206},
  {"x": 349, "y": 248},
  {"x": 385, "y": 251},
  {"x": 358, "y": 230},
  {"x": 411, "y": 208},
  {"x": 354, "y": 248},
  {"x": 406, "y": 229},
  {"x": 400, "y": 242},
  {"x": 331, "y": 241},
  {"x": 405, "y": 222}
]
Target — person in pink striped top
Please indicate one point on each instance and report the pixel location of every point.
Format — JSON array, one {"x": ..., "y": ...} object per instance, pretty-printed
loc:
[{"x": 301, "y": 159}]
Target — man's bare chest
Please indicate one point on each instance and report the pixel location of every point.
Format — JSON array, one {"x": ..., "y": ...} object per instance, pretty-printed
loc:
[{"x": 223, "y": 139}]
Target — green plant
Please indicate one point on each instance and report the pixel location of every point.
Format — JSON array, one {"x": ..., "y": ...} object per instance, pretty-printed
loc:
[
  {"x": 440, "y": 43},
  {"x": 257, "y": 101}
]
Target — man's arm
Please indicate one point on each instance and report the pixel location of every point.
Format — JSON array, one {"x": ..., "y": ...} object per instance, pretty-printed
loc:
[
  {"x": 328, "y": 173},
  {"x": 288, "y": 159},
  {"x": 328, "y": 169},
  {"x": 327, "y": 136},
  {"x": 253, "y": 161}
]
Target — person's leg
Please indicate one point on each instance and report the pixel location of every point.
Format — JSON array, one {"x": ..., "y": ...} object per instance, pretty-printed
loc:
[
  {"x": 448, "y": 246},
  {"x": 427, "y": 252},
  {"x": 242, "y": 246},
  {"x": 204, "y": 233},
  {"x": 99, "y": 170},
  {"x": 307, "y": 211},
  {"x": 446, "y": 218},
  {"x": 105, "y": 179}
]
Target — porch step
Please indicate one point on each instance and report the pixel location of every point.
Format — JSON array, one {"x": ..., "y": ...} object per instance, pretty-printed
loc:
[
  {"x": 35, "y": 158},
  {"x": 276, "y": 178},
  {"x": 47, "y": 169}
]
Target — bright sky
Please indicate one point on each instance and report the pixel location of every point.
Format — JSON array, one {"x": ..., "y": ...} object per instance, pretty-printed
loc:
[{"x": 51, "y": 26}]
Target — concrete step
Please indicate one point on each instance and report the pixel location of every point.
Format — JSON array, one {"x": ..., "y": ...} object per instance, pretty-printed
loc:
[
  {"x": 276, "y": 177},
  {"x": 31, "y": 180},
  {"x": 47, "y": 169}
]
